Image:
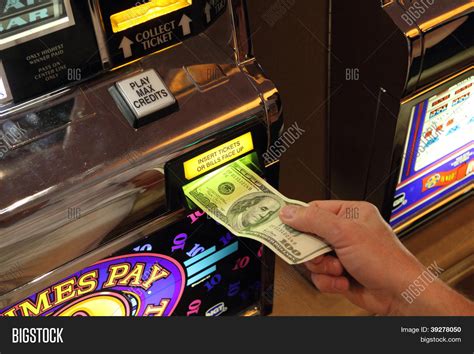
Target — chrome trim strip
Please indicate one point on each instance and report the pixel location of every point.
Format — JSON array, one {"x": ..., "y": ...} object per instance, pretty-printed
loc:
[{"x": 97, "y": 22}]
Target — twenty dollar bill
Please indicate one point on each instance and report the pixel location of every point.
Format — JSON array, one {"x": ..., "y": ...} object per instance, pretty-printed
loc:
[{"x": 247, "y": 206}]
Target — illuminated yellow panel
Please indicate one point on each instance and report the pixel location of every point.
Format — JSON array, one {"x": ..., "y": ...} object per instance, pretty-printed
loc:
[
  {"x": 218, "y": 156},
  {"x": 145, "y": 12}
]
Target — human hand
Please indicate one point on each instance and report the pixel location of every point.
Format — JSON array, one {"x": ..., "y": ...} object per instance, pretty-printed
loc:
[{"x": 372, "y": 268}]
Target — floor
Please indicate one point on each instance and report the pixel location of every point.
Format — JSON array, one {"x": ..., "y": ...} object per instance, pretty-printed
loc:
[{"x": 448, "y": 240}]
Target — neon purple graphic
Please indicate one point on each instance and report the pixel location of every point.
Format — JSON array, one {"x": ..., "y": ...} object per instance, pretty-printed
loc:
[{"x": 130, "y": 285}]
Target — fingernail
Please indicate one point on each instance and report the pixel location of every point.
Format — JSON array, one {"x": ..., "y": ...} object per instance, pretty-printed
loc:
[{"x": 289, "y": 212}]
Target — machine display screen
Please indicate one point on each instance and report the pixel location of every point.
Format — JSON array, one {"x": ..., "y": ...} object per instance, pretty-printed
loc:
[
  {"x": 438, "y": 159},
  {"x": 20, "y": 17},
  {"x": 193, "y": 267}
]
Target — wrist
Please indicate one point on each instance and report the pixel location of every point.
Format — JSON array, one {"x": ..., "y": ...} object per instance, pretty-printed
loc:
[{"x": 436, "y": 299}]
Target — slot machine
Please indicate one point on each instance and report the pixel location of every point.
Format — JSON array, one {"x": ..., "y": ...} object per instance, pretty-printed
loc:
[
  {"x": 407, "y": 145},
  {"x": 107, "y": 109},
  {"x": 434, "y": 137},
  {"x": 402, "y": 118}
]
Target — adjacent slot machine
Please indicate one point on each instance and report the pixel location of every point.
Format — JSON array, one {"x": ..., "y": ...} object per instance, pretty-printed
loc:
[
  {"x": 408, "y": 147},
  {"x": 407, "y": 144},
  {"x": 438, "y": 151},
  {"x": 107, "y": 109}
]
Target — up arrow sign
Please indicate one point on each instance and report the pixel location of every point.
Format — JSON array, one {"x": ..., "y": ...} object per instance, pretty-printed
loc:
[
  {"x": 185, "y": 25},
  {"x": 207, "y": 9},
  {"x": 126, "y": 46}
]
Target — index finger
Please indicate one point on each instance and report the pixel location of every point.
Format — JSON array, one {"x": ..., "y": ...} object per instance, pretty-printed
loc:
[{"x": 318, "y": 221}]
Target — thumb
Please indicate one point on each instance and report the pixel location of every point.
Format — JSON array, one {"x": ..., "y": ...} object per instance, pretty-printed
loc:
[{"x": 318, "y": 221}]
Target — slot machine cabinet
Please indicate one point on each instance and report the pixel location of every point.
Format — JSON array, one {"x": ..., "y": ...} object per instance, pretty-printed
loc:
[
  {"x": 107, "y": 110},
  {"x": 406, "y": 144},
  {"x": 391, "y": 123}
]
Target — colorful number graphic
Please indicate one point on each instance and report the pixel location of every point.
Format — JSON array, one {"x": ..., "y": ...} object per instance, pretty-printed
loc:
[
  {"x": 226, "y": 239},
  {"x": 234, "y": 289},
  {"x": 144, "y": 248},
  {"x": 215, "y": 280},
  {"x": 241, "y": 263},
  {"x": 196, "y": 250},
  {"x": 194, "y": 307},
  {"x": 179, "y": 242},
  {"x": 195, "y": 216}
]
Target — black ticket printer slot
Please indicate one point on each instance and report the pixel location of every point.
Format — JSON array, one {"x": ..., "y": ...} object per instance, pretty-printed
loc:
[{"x": 247, "y": 144}]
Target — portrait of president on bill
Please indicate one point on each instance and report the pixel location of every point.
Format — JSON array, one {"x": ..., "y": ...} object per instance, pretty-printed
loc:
[{"x": 254, "y": 210}]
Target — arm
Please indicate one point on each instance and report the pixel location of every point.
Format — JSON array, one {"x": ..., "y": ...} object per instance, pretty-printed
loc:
[{"x": 372, "y": 268}]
